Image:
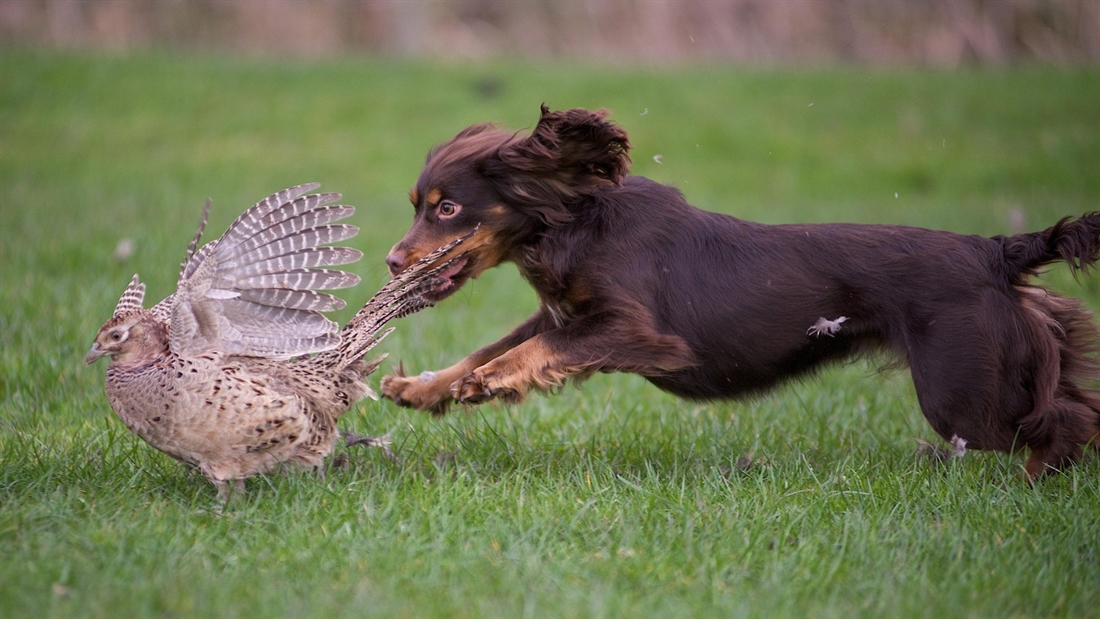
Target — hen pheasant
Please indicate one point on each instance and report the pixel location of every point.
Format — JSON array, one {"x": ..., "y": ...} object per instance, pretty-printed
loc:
[{"x": 238, "y": 372}]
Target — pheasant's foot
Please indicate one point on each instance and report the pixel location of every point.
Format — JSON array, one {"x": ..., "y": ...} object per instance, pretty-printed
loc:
[{"x": 383, "y": 442}]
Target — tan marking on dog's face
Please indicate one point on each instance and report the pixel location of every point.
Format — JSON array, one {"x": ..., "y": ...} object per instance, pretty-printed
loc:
[
  {"x": 482, "y": 248},
  {"x": 482, "y": 252},
  {"x": 486, "y": 251},
  {"x": 434, "y": 196},
  {"x": 414, "y": 196}
]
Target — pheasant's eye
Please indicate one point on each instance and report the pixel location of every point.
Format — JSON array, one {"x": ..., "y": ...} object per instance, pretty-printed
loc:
[
  {"x": 116, "y": 336},
  {"x": 448, "y": 209}
]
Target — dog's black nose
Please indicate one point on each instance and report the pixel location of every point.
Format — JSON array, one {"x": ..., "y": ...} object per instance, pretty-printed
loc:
[{"x": 396, "y": 262}]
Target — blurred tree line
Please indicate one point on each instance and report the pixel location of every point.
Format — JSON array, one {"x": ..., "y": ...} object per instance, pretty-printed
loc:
[{"x": 931, "y": 32}]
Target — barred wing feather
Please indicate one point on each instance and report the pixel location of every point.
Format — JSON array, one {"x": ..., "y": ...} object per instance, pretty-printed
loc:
[{"x": 254, "y": 291}]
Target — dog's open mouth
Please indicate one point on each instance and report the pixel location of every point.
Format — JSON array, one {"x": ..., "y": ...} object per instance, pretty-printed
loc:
[{"x": 449, "y": 280}]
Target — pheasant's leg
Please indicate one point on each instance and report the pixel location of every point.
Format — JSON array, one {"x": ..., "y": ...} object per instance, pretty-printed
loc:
[
  {"x": 383, "y": 442},
  {"x": 223, "y": 491},
  {"x": 228, "y": 489},
  {"x": 938, "y": 454}
]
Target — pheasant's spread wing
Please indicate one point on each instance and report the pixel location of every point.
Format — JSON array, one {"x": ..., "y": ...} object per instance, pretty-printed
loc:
[{"x": 254, "y": 290}]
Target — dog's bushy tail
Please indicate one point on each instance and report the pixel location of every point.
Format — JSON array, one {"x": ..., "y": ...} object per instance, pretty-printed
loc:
[{"x": 1076, "y": 241}]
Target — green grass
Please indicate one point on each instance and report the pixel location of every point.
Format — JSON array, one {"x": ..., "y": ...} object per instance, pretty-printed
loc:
[{"x": 609, "y": 500}]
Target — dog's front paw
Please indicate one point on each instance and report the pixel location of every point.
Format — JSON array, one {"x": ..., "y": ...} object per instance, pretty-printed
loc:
[
  {"x": 479, "y": 386},
  {"x": 471, "y": 389},
  {"x": 419, "y": 392}
]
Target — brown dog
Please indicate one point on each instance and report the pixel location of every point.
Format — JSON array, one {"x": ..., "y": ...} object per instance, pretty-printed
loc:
[{"x": 632, "y": 278}]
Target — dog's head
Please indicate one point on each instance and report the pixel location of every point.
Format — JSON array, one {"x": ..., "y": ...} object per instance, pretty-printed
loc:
[{"x": 513, "y": 186}]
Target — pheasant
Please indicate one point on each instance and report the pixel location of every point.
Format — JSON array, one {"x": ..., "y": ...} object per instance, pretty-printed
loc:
[{"x": 238, "y": 372}]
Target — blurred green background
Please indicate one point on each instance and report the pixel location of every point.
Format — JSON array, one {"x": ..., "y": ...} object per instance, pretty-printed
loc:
[{"x": 610, "y": 500}]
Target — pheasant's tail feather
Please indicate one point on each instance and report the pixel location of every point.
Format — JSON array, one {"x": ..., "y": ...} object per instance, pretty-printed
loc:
[
  {"x": 414, "y": 281},
  {"x": 405, "y": 294},
  {"x": 358, "y": 355},
  {"x": 370, "y": 366}
]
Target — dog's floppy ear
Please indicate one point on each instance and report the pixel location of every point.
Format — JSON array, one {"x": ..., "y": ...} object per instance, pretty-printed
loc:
[
  {"x": 577, "y": 146},
  {"x": 569, "y": 154}
]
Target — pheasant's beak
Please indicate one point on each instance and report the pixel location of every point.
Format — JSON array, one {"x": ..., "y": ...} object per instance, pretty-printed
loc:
[{"x": 94, "y": 354}]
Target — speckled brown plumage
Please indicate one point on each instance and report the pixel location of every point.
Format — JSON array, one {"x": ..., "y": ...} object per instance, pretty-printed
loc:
[{"x": 238, "y": 373}]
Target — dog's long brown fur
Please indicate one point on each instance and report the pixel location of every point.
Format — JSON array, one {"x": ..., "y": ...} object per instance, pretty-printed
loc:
[{"x": 632, "y": 278}]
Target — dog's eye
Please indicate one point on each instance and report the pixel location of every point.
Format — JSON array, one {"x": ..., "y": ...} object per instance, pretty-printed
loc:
[{"x": 448, "y": 209}]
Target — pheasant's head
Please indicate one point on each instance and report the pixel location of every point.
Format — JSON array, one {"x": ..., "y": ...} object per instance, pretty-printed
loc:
[{"x": 132, "y": 335}]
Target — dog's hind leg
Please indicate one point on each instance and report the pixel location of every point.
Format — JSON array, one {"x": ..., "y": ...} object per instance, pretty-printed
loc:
[
  {"x": 1058, "y": 432},
  {"x": 1057, "y": 436},
  {"x": 1005, "y": 373},
  {"x": 970, "y": 370}
]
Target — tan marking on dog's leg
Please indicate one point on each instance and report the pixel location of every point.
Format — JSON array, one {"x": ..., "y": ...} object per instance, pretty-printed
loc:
[
  {"x": 531, "y": 365},
  {"x": 431, "y": 395},
  {"x": 432, "y": 390}
]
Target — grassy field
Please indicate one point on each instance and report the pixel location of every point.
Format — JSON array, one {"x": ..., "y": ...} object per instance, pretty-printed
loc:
[{"x": 609, "y": 500}]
